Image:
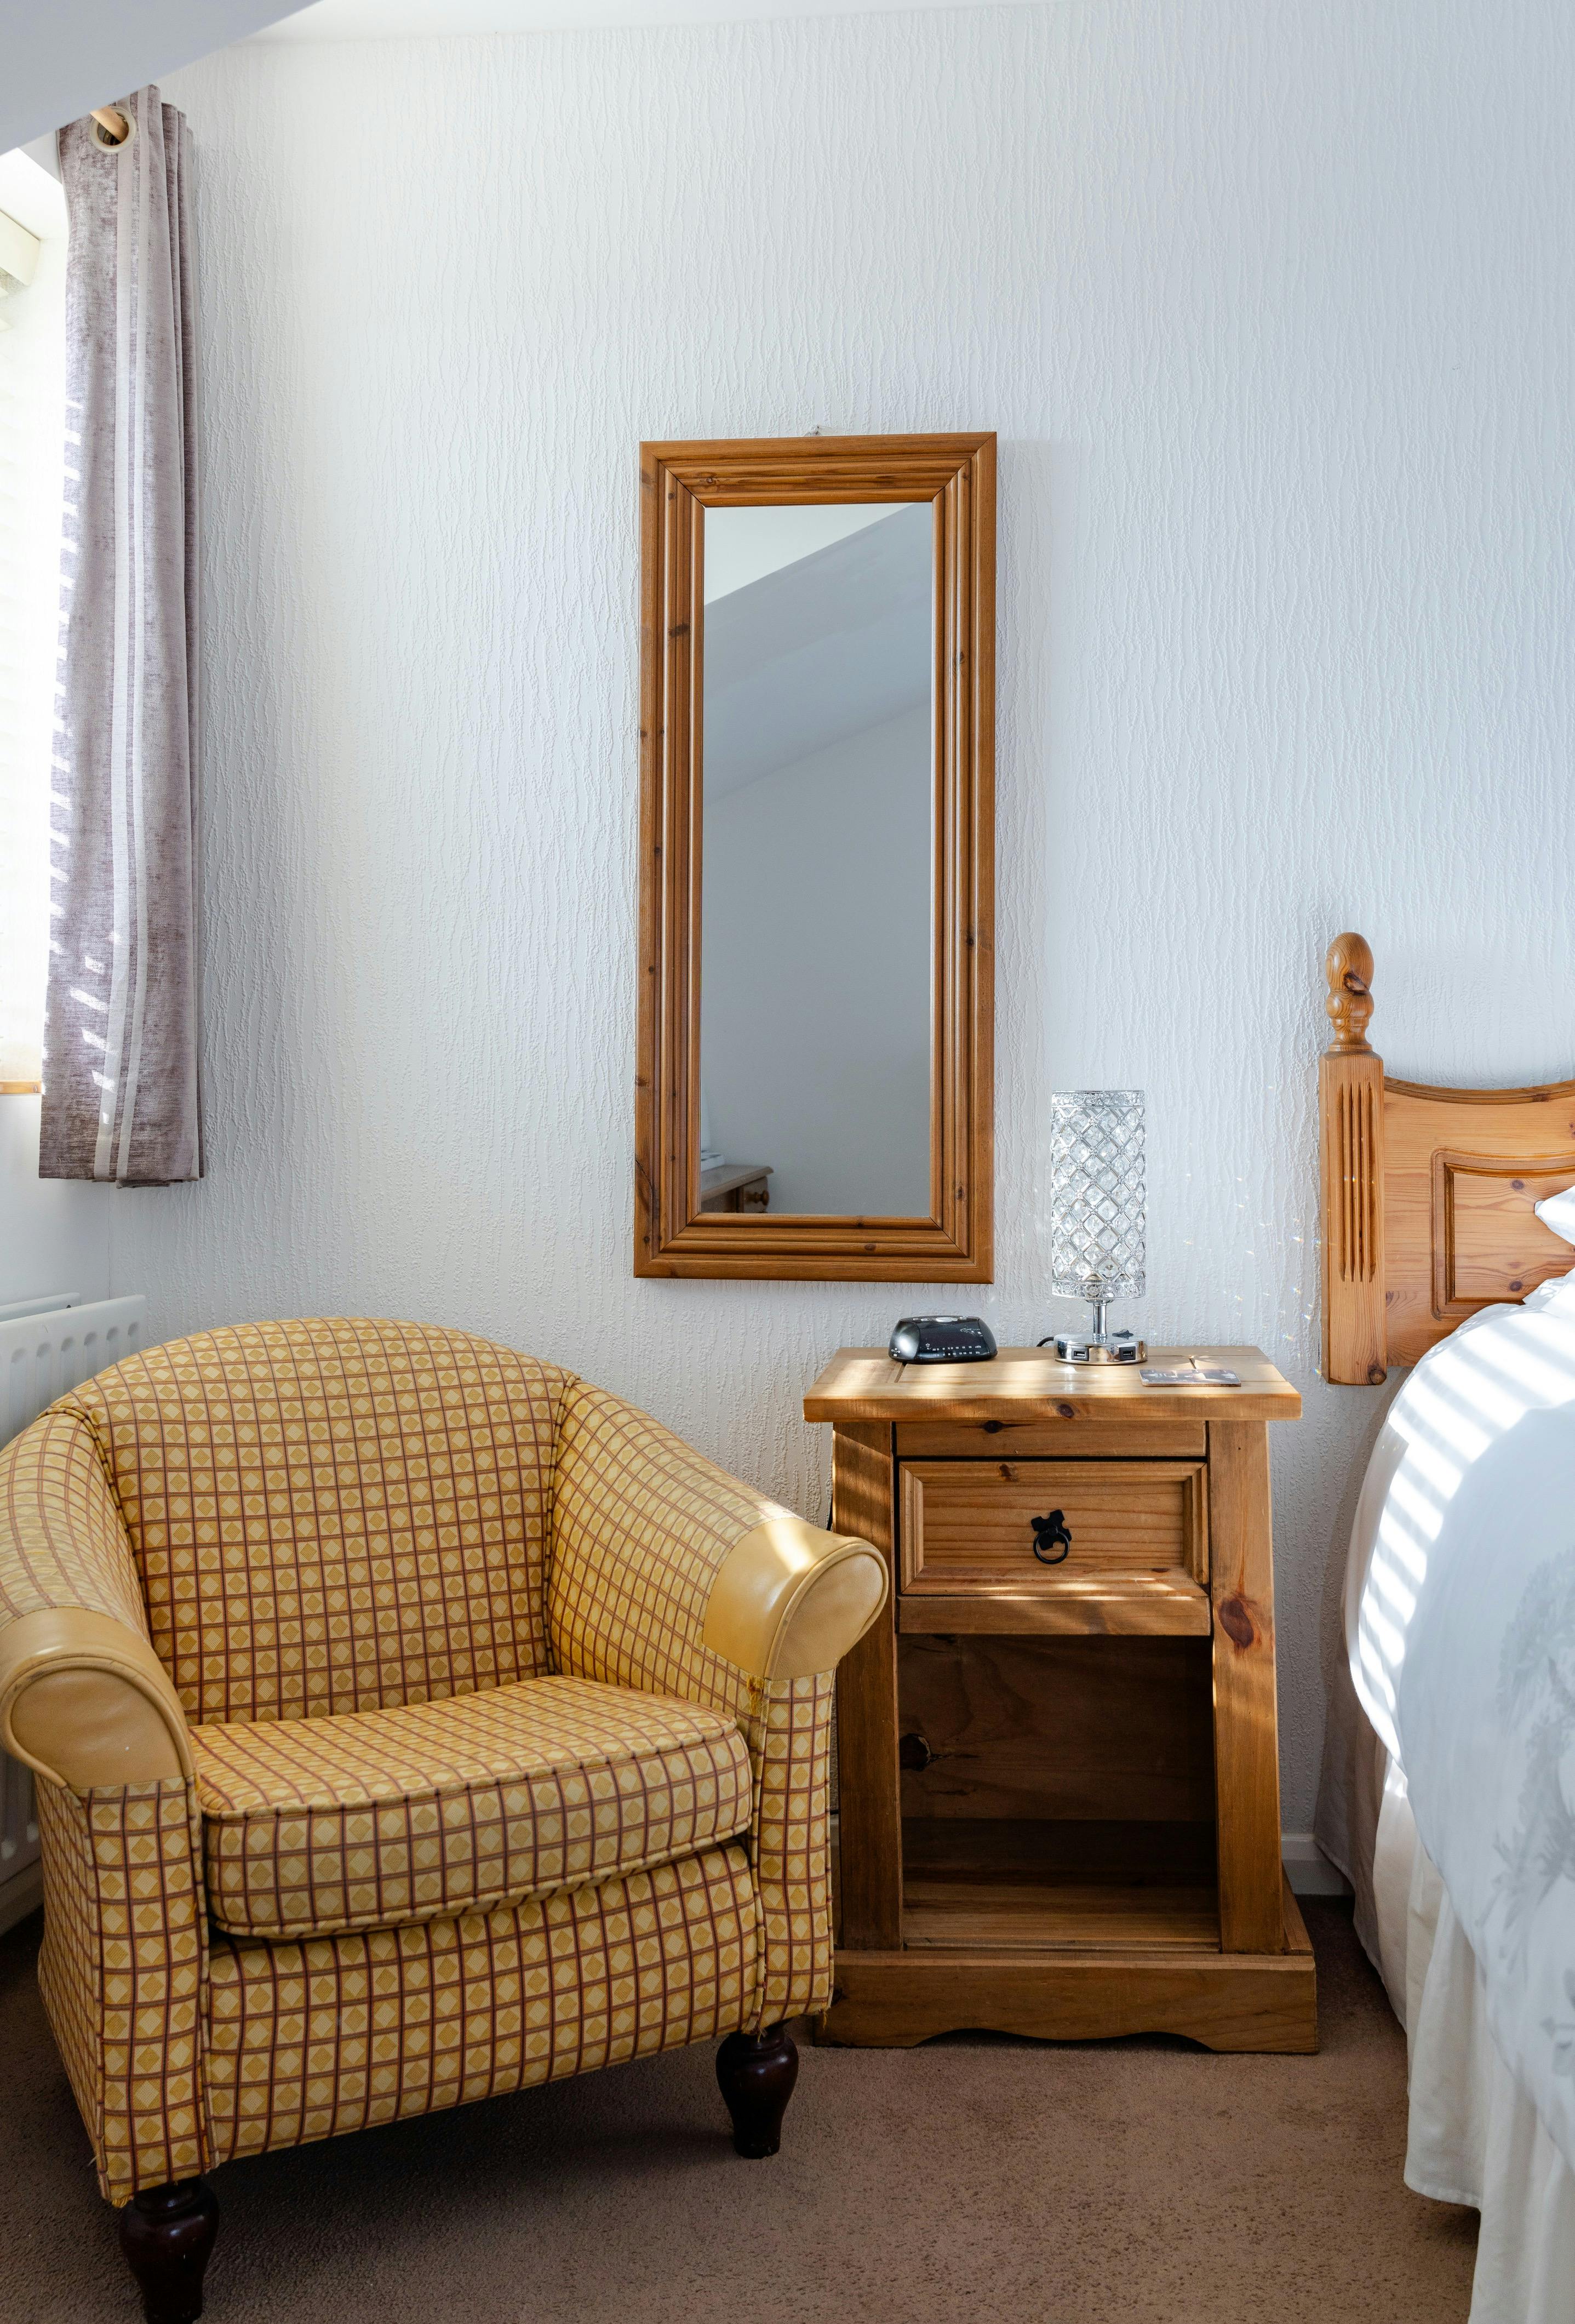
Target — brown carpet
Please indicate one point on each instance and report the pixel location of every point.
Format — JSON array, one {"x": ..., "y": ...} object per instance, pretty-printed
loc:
[{"x": 1000, "y": 2182}]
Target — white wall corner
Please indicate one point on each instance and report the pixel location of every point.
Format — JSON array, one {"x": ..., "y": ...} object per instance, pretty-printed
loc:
[
  {"x": 1308, "y": 1869},
  {"x": 31, "y": 192},
  {"x": 44, "y": 152}
]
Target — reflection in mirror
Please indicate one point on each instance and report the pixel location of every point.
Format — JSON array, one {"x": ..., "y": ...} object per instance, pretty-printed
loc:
[{"x": 817, "y": 862}]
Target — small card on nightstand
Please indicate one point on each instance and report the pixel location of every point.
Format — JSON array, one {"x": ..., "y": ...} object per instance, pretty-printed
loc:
[{"x": 1189, "y": 1376}]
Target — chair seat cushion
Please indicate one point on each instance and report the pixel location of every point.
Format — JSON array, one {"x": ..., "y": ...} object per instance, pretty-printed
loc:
[{"x": 373, "y": 1818}]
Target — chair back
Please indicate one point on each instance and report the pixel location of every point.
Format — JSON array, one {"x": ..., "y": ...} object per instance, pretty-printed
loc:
[{"x": 334, "y": 1515}]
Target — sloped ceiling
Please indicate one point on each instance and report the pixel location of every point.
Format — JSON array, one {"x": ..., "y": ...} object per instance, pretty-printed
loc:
[
  {"x": 61, "y": 58},
  {"x": 362, "y": 20}
]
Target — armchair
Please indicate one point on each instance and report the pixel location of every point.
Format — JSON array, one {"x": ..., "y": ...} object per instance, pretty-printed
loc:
[{"x": 414, "y": 1723}]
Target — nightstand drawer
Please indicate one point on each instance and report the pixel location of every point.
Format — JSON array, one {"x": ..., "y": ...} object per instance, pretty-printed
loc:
[{"x": 1054, "y": 1545}]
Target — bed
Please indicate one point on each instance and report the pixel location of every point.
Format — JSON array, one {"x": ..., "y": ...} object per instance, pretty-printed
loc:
[{"x": 1448, "y": 1791}]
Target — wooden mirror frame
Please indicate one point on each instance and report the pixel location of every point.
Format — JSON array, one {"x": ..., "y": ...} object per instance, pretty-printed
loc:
[{"x": 672, "y": 1235}]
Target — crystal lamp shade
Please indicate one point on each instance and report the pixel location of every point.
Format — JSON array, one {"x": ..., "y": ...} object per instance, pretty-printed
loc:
[{"x": 1098, "y": 1206}]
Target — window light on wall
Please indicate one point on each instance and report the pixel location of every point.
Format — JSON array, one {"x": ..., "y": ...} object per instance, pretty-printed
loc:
[{"x": 32, "y": 314}]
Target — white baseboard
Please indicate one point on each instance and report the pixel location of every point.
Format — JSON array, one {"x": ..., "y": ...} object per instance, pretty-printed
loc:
[
  {"x": 21, "y": 1895},
  {"x": 1308, "y": 1869}
]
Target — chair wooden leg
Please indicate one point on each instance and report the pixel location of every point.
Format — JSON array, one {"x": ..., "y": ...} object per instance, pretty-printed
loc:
[
  {"x": 756, "y": 2072},
  {"x": 166, "y": 2234}
]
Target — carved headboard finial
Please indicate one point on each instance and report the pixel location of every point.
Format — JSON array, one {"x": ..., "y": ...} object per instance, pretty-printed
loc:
[{"x": 1349, "y": 971}]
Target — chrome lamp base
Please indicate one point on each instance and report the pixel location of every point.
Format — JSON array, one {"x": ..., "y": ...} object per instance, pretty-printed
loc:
[
  {"x": 1098, "y": 1346},
  {"x": 1112, "y": 1348}
]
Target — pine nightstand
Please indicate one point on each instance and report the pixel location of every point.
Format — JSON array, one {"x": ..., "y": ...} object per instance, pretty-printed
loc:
[{"x": 1059, "y": 1783}]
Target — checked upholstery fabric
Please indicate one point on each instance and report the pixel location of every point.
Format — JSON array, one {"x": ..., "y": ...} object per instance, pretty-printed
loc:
[
  {"x": 641, "y": 1524},
  {"x": 313, "y": 1826},
  {"x": 474, "y": 1806},
  {"x": 332, "y": 1517},
  {"x": 307, "y": 2040}
]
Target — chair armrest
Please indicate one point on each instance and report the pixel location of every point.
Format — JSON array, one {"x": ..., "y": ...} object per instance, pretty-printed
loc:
[
  {"x": 669, "y": 1575},
  {"x": 84, "y": 1698},
  {"x": 85, "y": 1702},
  {"x": 789, "y": 1601}
]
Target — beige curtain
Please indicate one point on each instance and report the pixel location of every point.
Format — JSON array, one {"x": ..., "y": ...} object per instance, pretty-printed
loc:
[{"x": 120, "y": 1064}]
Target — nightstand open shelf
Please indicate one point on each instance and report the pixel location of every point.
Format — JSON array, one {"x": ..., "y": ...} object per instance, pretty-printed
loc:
[
  {"x": 1022, "y": 1917},
  {"x": 1021, "y": 1886},
  {"x": 1059, "y": 1800}
]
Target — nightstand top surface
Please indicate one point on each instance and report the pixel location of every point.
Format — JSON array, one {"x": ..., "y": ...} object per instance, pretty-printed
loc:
[{"x": 862, "y": 1384}]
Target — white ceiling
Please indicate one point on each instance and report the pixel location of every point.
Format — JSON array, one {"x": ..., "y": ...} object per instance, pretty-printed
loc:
[{"x": 365, "y": 19}]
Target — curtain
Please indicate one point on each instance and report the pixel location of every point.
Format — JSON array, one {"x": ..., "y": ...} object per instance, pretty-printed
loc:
[{"x": 121, "y": 1095}]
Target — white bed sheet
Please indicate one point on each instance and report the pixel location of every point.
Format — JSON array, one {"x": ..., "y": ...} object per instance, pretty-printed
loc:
[
  {"x": 1474, "y": 2137},
  {"x": 1476, "y": 2134}
]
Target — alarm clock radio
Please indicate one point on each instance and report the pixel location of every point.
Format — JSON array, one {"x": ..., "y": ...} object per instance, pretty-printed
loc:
[{"x": 942, "y": 1340}]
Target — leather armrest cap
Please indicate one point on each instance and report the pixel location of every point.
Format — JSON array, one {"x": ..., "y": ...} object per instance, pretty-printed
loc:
[
  {"x": 789, "y": 1601},
  {"x": 86, "y": 1702}
]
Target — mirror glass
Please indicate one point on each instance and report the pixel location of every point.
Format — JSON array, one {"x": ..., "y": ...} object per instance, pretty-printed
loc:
[{"x": 817, "y": 856}]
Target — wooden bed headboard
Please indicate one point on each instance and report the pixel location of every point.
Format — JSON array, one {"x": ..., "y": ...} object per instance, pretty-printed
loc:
[{"x": 1427, "y": 1194}]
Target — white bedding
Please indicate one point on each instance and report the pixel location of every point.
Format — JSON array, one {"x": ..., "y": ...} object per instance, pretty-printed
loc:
[
  {"x": 1465, "y": 1663},
  {"x": 1474, "y": 2136},
  {"x": 1460, "y": 1619}
]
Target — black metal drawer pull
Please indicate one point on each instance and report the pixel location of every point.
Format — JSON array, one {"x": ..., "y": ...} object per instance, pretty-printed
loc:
[{"x": 1051, "y": 1537}]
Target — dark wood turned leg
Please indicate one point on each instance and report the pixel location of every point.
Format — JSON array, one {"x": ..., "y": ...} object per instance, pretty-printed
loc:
[
  {"x": 167, "y": 2234},
  {"x": 757, "y": 2072}
]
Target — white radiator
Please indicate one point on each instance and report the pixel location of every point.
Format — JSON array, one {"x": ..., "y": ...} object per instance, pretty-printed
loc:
[{"x": 46, "y": 1346}]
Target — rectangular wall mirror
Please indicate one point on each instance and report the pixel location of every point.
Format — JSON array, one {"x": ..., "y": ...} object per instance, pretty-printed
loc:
[{"x": 816, "y": 859}]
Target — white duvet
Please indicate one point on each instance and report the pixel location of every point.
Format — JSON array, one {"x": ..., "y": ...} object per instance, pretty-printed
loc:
[{"x": 1464, "y": 1652}]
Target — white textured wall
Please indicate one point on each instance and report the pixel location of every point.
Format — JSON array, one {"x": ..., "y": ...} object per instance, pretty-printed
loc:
[
  {"x": 53, "y": 1237},
  {"x": 1273, "y": 309}
]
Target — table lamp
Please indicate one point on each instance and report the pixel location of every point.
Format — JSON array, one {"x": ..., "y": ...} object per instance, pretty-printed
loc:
[{"x": 1099, "y": 1216}]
